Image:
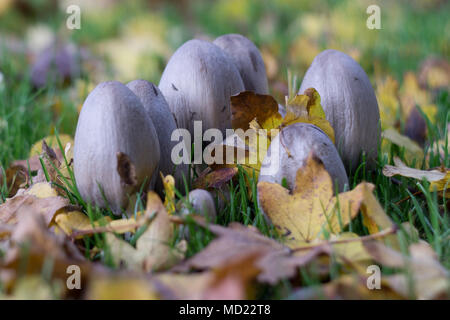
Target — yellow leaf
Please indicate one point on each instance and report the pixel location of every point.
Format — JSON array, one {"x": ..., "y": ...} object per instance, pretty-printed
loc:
[
  {"x": 42, "y": 190},
  {"x": 75, "y": 221},
  {"x": 311, "y": 208},
  {"x": 374, "y": 217},
  {"x": 169, "y": 188},
  {"x": 52, "y": 142},
  {"x": 350, "y": 252},
  {"x": 440, "y": 179},
  {"x": 154, "y": 250},
  {"x": 388, "y": 102},
  {"x": 412, "y": 150},
  {"x": 307, "y": 108},
  {"x": 121, "y": 288}
]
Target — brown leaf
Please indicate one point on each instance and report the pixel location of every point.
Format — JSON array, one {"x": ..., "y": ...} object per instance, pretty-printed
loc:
[
  {"x": 126, "y": 169},
  {"x": 301, "y": 217},
  {"x": 46, "y": 207},
  {"x": 215, "y": 179},
  {"x": 236, "y": 242},
  {"x": 248, "y": 105},
  {"x": 16, "y": 177},
  {"x": 429, "y": 277}
]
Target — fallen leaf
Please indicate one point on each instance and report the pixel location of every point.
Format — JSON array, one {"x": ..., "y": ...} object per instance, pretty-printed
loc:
[
  {"x": 235, "y": 242},
  {"x": 154, "y": 250},
  {"x": 440, "y": 180},
  {"x": 434, "y": 73},
  {"x": 307, "y": 108},
  {"x": 78, "y": 224},
  {"x": 346, "y": 287},
  {"x": 214, "y": 179},
  {"x": 16, "y": 177},
  {"x": 46, "y": 207},
  {"x": 412, "y": 150},
  {"x": 121, "y": 287},
  {"x": 430, "y": 280},
  {"x": 169, "y": 188},
  {"x": 302, "y": 216},
  {"x": 52, "y": 142}
]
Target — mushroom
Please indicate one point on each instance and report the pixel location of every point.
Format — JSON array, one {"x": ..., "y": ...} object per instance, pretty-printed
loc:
[
  {"x": 285, "y": 157},
  {"x": 157, "y": 109},
  {"x": 201, "y": 202},
  {"x": 349, "y": 103},
  {"x": 116, "y": 148},
  {"x": 58, "y": 63},
  {"x": 247, "y": 59},
  {"x": 197, "y": 84}
]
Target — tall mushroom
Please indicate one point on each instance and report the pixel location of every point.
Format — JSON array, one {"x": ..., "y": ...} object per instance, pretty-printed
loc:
[
  {"x": 157, "y": 109},
  {"x": 116, "y": 147},
  {"x": 349, "y": 103},
  {"x": 247, "y": 59},
  {"x": 197, "y": 84}
]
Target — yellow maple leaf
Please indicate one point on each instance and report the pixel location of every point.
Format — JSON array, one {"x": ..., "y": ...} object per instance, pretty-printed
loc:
[
  {"x": 306, "y": 108},
  {"x": 301, "y": 217}
]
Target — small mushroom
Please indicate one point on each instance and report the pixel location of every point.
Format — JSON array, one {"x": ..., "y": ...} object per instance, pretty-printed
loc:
[
  {"x": 116, "y": 147},
  {"x": 157, "y": 109},
  {"x": 201, "y": 203},
  {"x": 290, "y": 149},
  {"x": 58, "y": 63},
  {"x": 349, "y": 103},
  {"x": 197, "y": 84},
  {"x": 247, "y": 59}
]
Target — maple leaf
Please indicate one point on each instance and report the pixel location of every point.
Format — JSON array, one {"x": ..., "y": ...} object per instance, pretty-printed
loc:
[{"x": 311, "y": 208}]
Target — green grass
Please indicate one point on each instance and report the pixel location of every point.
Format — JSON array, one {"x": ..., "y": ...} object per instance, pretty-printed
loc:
[{"x": 27, "y": 115}]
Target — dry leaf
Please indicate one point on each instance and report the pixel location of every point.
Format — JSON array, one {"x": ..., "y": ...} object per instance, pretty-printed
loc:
[
  {"x": 78, "y": 224},
  {"x": 214, "y": 179},
  {"x": 154, "y": 250},
  {"x": 430, "y": 280},
  {"x": 440, "y": 180},
  {"x": 307, "y": 108},
  {"x": 301, "y": 217},
  {"x": 412, "y": 150},
  {"x": 236, "y": 242},
  {"x": 169, "y": 188}
]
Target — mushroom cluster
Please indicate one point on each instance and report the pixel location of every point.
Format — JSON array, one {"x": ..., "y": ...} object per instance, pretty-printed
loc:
[{"x": 124, "y": 134}]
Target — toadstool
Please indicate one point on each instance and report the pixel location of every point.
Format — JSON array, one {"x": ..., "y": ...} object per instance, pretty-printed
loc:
[
  {"x": 197, "y": 84},
  {"x": 247, "y": 59},
  {"x": 349, "y": 103},
  {"x": 157, "y": 109},
  {"x": 116, "y": 147}
]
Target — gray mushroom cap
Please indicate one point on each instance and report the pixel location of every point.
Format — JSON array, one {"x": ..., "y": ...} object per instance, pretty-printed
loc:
[
  {"x": 202, "y": 203},
  {"x": 156, "y": 107},
  {"x": 113, "y": 121},
  {"x": 247, "y": 59},
  {"x": 197, "y": 84},
  {"x": 349, "y": 103},
  {"x": 301, "y": 139}
]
